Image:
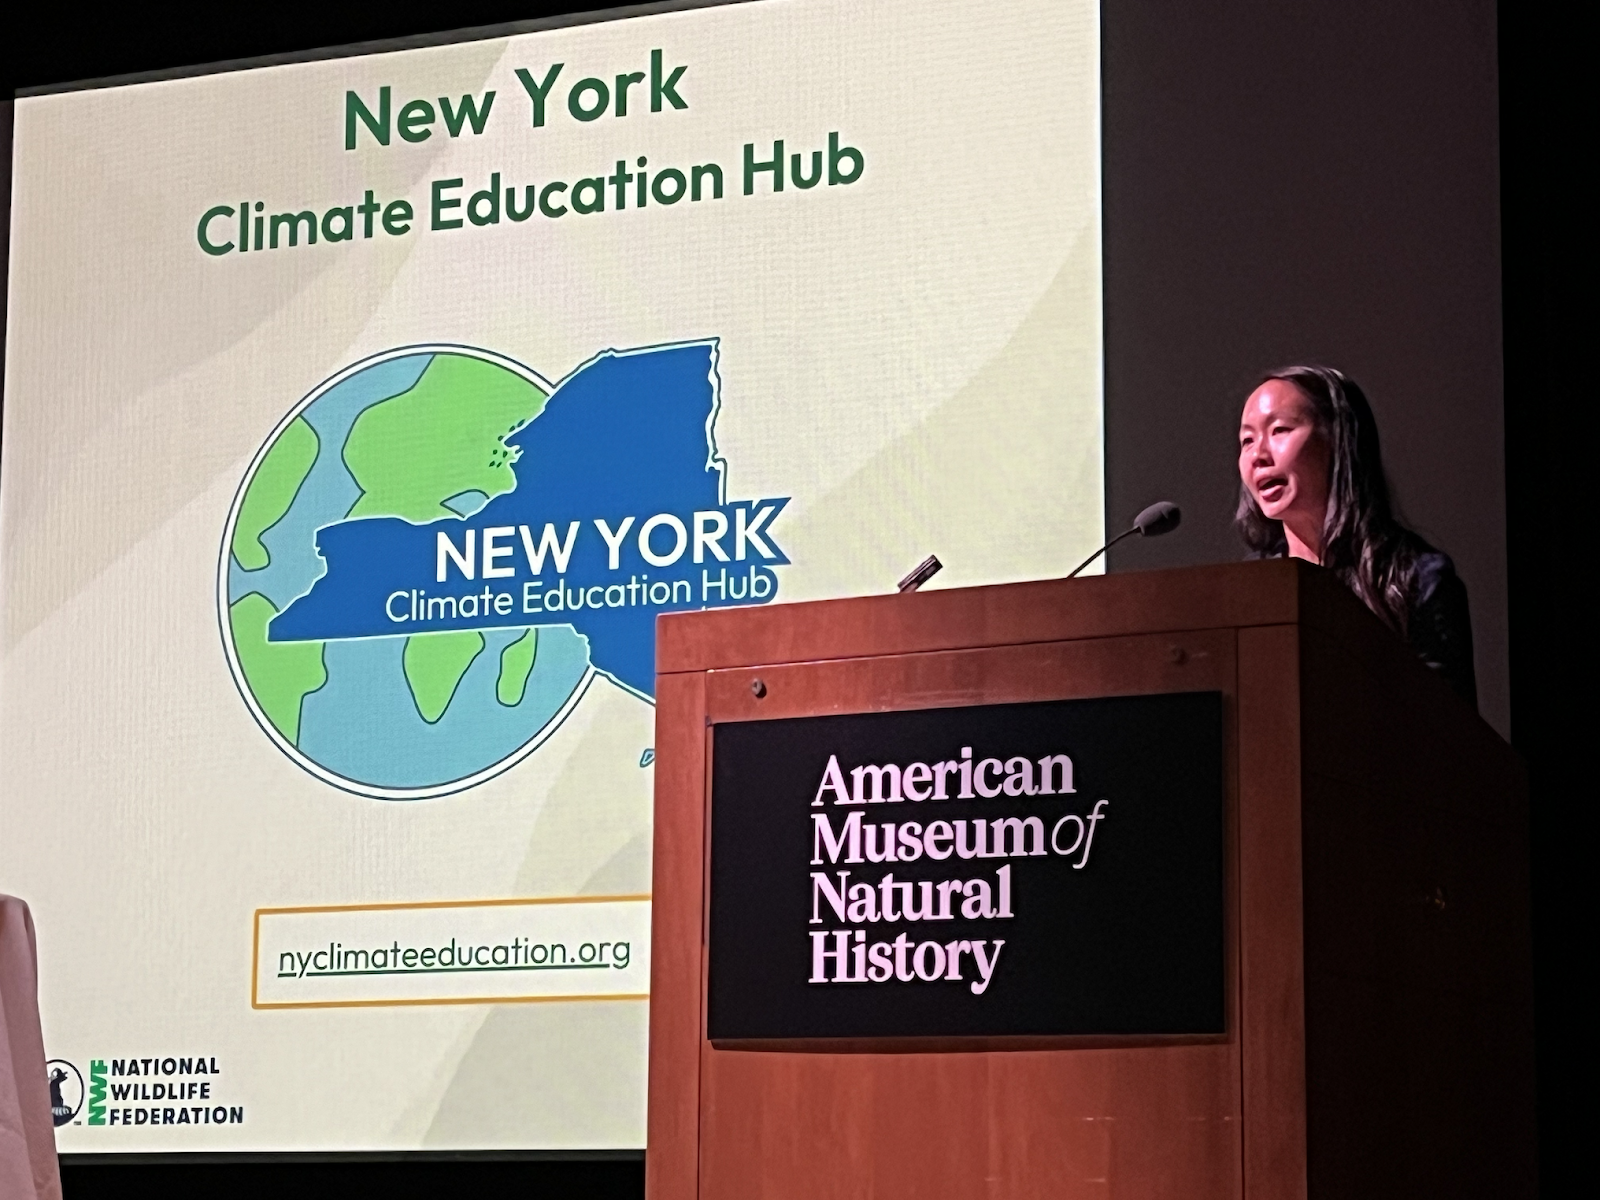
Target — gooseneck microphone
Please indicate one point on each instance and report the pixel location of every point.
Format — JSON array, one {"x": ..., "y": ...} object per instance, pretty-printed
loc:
[{"x": 1161, "y": 517}]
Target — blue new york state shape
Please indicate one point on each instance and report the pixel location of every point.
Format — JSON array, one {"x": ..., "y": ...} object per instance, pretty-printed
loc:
[{"x": 630, "y": 434}]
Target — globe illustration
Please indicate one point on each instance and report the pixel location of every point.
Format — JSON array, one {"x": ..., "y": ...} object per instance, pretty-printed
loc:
[{"x": 420, "y": 434}]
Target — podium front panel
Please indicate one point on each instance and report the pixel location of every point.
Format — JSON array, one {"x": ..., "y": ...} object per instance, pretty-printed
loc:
[{"x": 954, "y": 1116}]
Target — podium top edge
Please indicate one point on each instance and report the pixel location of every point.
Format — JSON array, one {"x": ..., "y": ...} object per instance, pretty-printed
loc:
[{"x": 1232, "y": 595}]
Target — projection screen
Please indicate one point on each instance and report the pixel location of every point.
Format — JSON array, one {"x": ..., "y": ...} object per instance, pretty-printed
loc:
[{"x": 361, "y": 416}]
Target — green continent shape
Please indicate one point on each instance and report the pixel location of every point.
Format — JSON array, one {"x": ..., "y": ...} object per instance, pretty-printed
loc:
[
  {"x": 516, "y": 664},
  {"x": 435, "y": 663},
  {"x": 445, "y": 436},
  {"x": 272, "y": 490},
  {"x": 280, "y": 674}
]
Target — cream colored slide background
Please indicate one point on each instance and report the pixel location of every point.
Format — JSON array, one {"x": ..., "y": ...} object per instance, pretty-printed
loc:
[{"x": 914, "y": 359}]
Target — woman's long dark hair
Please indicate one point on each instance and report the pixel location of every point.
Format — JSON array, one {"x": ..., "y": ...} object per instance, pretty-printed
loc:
[{"x": 1362, "y": 542}]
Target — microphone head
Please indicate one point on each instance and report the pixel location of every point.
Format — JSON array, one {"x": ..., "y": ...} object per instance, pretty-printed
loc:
[{"x": 1161, "y": 517}]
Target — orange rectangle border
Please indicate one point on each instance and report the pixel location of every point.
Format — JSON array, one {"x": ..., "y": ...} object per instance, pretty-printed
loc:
[{"x": 256, "y": 1002}]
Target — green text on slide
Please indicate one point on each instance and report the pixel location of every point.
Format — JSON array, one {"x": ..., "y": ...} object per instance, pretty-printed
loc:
[
  {"x": 281, "y": 674},
  {"x": 272, "y": 490},
  {"x": 445, "y": 436}
]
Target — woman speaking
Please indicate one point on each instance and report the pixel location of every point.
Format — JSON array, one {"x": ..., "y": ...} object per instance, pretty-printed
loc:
[{"x": 1312, "y": 487}]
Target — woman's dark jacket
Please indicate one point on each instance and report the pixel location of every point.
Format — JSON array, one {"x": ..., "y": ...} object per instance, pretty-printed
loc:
[{"x": 1440, "y": 628}]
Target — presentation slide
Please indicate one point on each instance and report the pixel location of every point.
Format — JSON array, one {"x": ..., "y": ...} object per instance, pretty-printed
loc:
[{"x": 361, "y": 417}]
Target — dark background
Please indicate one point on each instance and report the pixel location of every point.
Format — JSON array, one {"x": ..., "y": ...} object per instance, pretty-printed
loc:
[
  {"x": 1307, "y": 182},
  {"x": 1283, "y": 179}
]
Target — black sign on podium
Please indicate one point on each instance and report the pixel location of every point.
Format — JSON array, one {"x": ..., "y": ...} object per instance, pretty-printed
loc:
[{"x": 1013, "y": 870}]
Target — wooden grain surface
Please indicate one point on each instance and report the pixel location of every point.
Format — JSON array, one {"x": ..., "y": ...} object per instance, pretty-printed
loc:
[
  {"x": 676, "y": 1026},
  {"x": 1419, "y": 1023},
  {"x": 1272, "y": 975},
  {"x": 1240, "y": 594},
  {"x": 1157, "y": 1120}
]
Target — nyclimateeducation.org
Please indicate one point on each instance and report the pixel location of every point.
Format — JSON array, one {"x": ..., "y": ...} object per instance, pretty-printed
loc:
[{"x": 453, "y": 957}]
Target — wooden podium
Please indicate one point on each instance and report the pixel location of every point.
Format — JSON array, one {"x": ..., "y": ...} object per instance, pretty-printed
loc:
[{"x": 1376, "y": 951}]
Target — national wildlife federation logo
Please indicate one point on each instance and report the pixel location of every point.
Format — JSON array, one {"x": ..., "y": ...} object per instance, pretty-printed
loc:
[
  {"x": 66, "y": 1090},
  {"x": 436, "y": 551}
]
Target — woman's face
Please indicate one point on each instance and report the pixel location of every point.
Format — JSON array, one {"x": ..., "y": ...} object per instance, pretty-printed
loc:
[{"x": 1284, "y": 458}]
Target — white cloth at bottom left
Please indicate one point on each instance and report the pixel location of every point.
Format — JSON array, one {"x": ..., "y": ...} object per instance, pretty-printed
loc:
[{"x": 28, "y": 1166}]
